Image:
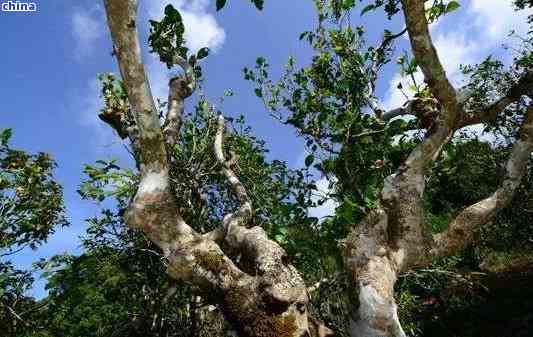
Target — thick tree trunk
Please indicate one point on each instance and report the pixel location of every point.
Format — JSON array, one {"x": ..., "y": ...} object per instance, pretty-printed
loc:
[
  {"x": 377, "y": 314},
  {"x": 373, "y": 267},
  {"x": 264, "y": 297}
]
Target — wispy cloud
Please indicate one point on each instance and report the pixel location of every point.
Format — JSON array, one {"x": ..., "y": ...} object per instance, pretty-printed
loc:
[
  {"x": 201, "y": 27},
  {"x": 88, "y": 28},
  {"x": 201, "y": 30},
  {"x": 105, "y": 139},
  {"x": 469, "y": 36},
  {"x": 494, "y": 19}
]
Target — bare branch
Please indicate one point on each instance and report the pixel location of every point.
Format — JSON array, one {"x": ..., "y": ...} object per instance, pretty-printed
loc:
[
  {"x": 245, "y": 210},
  {"x": 177, "y": 93},
  {"x": 187, "y": 70},
  {"x": 402, "y": 111},
  {"x": 180, "y": 88},
  {"x": 426, "y": 110},
  {"x": 428, "y": 59},
  {"x": 318, "y": 328},
  {"x": 14, "y": 313},
  {"x": 268, "y": 256},
  {"x": 461, "y": 230},
  {"x": 522, "y": 87}
]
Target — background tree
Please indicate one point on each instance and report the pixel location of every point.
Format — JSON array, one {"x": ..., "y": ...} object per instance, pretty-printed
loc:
[{"x": 31, "y": 206}]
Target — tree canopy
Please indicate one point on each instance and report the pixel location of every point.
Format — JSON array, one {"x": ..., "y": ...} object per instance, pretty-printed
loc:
[{"x": 431, "y": 232}]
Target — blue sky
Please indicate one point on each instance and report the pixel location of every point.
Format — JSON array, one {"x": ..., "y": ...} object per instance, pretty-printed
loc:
[{"x": 50, "y": 58}]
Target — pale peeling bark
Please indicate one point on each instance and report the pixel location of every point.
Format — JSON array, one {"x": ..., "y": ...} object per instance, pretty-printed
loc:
[
  {"x": 393, "y": 238},
  {"x": 262, "y": 296},
  {"x": 373, "y": 267},
  {"x": 180, "y": 88},
  {"x": 461, "y": 230}
]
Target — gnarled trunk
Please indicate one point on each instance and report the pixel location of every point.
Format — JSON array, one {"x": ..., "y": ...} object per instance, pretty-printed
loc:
[
  {"x": 377, "y": 314},
  {"x": 264, "y": 297},
  {"x": 373, "y": 268}
]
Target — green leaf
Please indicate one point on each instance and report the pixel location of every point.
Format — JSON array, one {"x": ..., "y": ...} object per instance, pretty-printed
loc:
[
  {"x": 452, "y": 6},
  {"x": 348, "y": 4},
  {"x": 259, "y": 4},
  {"x": 368, "y": 9},
  {"x": 204, "y": 106},
  {"x": 366, "y": 140},
  {"x": 260, "y": 61},
  {"x": 202, "y": 53},
  {"x": 220, "y": 4},
  {"x": 171, "y": 12},
  {"x": 309, "y": 160},
  {"x": 5, "y": 136},
  {"x": 258, "y": 92},
  {"x": 192, "y": 60}
]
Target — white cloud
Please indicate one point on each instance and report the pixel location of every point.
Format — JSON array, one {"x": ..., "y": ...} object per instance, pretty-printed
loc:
[
  {"x": 88, "y": 27},
  {"x": 201, "y": 27},
  {"x": 473, "y": 33},
  {"x": 395, "y": 98},
  {"x": 454, "y": 50},
  {"x": 201, "y": 30},
  {"x": 496, "y": 18}
]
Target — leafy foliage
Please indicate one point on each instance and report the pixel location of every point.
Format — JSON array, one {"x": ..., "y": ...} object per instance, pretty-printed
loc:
[
  {"x": 166, "y": 36},
  {"x": 114, "y": 292},
  {"x": 31, "y": 201},
  {"x": 437, "y": 299},
  {"x": 326, "y": 102},
  {"x": 31, "y": 206},
  {"x": 118, "y": 285}
]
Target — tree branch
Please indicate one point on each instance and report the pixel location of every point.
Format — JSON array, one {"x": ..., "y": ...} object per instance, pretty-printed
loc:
[
  {"x": 176, "y": 108},
  {"x": 522, "y": 87},
  {"x": 121, "y": 17},
  {"x": 401, "y": 111},
  {"x": 379, "y": 59},
  {"x": 154, "y": 208},
  {"x": 188, "y": 71},
  {"x": 245, "y": 209},
  {"x": 180, "y": 88},
  {"x": 461, "y": 230},
  {"x": 270, "y": 259},
  {"x": 428, "y": 59}
]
